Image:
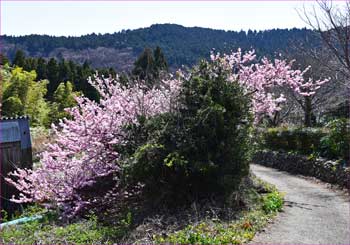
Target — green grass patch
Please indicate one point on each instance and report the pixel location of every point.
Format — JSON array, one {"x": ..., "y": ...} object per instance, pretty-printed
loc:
[{"x": 49, "y": 231}]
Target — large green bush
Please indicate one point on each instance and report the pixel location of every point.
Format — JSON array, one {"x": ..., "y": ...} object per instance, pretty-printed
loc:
[
  {"x": 200, "y": 148},
  {"x": 336, "y": 143}
]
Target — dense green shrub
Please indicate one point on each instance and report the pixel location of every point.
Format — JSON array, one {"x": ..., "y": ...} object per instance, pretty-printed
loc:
[
  {"x": 302, "y": 140},
  {"x": 336, "y": 143},
  {"x": 200, "y": 148},
  {"x": 331, "y": 142}
]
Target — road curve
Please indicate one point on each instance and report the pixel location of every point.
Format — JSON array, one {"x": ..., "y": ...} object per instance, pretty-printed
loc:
[{"x": 312, "y": 213}]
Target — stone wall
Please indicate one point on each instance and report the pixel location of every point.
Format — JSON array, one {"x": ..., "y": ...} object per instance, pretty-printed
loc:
[{"x": 323, "y": 169}]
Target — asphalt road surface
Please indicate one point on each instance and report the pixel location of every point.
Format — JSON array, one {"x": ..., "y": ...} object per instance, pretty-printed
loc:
[{"x": 313, "y": 214}]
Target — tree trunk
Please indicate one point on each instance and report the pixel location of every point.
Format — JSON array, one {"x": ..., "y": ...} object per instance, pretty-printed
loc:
[{"x": 308, "y": 112}]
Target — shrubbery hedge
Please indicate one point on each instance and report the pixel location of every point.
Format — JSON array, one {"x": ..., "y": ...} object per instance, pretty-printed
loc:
[
  {"x": 331, "y": 142},
  {"x": 303, "y": 140}
]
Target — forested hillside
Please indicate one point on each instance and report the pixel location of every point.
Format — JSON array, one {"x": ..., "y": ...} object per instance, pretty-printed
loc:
[{"x": 181, "y": 45}]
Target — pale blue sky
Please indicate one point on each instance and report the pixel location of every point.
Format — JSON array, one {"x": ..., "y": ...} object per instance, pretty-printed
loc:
[{"x": 77, "y": 18}]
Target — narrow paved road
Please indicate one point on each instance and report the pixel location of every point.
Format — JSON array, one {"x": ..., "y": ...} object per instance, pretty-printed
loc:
[{"x": 312, "y": 213}]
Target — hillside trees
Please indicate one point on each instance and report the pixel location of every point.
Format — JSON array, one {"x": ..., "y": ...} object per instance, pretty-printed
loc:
[
  {"x": 57, "y": 71},
  {"x": 181, "y": 45}
]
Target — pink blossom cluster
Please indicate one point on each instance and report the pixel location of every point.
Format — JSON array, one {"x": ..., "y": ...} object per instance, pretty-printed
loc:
[
  {"x": 84, "y": 146},
  {"x": 260, "y": 78}
]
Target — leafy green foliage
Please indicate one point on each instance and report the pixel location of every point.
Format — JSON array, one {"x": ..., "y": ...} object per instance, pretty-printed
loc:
[
  {"x": 12, "y": 106},
  {"x": 36, "y": 106},
  {"x": 272, "y": 202},
  {"x": 336, "y": 144},
  {"x": 21, "y": 94},
  {"x": 62, "y": 98}
]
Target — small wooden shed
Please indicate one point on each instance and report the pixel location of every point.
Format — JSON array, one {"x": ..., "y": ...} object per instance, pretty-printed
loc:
[{"x": 15, "y": 152}]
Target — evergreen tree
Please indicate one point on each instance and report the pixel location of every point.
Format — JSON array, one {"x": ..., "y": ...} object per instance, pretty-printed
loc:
[
  {"x": 19, "y": 59},
  {"x": 159, "y": 60},
  {"x": 41, "y": 69},
  {"x": 144, "y": 66},
  {"x": 64, "y": 72},
  {"x": 81, "y": 83},
  {"x": 149, "y": 67},
  {"x": 73, "y": 71},
  {"x": 53, "y": 76},
  {"x": 30, "y": 64}
]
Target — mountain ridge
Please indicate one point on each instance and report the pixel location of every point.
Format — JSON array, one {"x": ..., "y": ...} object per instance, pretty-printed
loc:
[{"x": 181, "y": 45}]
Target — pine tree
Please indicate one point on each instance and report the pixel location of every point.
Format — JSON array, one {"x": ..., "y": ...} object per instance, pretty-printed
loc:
[
  {"x": 53, "y": 77},
  {"x": 159, "y": 60},
  {"x": 19, "y": 59},
  {"x": 149, "y": 66},
  {"x": 64, "y": 72},
  {"x": 30, "y": 64},
  {"x": 41, "y": 69},
  {"x": 144, "y": 66}
]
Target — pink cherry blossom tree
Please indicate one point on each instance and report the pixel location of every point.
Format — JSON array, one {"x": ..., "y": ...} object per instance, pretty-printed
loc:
[{"x": 84, "y": 150}]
